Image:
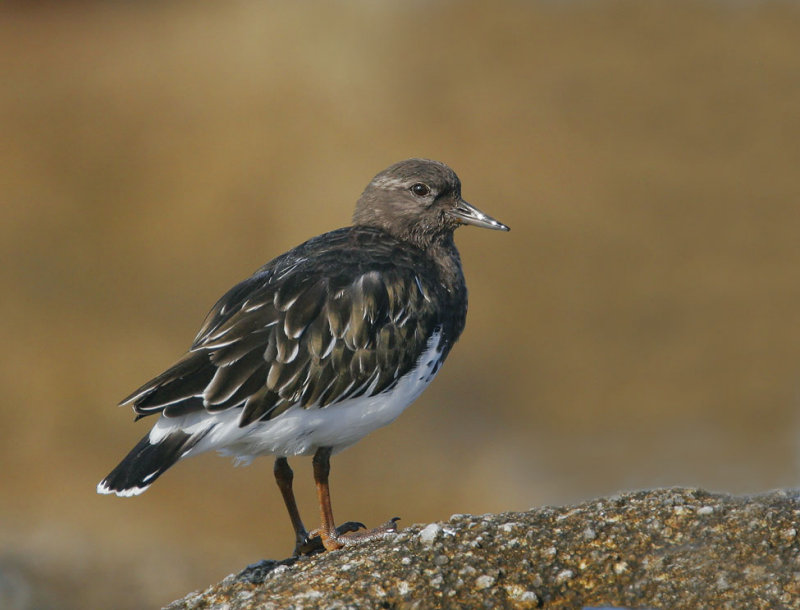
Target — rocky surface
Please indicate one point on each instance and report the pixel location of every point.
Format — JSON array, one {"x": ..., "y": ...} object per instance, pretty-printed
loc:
[{"x": 670, "y": 548}]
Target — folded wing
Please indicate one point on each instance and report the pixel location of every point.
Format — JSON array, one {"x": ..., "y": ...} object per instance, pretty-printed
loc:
[{"x": 306, "y": 337}]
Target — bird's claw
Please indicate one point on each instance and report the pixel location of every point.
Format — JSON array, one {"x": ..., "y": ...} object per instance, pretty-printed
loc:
[
  {"x": 313, "y": 540},
  {"x": 346, "y": 534},
  {"x": 350, "y": 526}
]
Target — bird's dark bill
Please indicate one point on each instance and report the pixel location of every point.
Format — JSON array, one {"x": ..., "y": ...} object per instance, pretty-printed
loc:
[{"x": 468, "y": 214}]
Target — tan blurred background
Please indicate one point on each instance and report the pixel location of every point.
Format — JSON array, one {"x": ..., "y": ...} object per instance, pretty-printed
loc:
[{"x": 639, "y": 327}]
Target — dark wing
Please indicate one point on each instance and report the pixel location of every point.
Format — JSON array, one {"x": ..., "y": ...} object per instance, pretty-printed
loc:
[{"x": 300, "y": 333}]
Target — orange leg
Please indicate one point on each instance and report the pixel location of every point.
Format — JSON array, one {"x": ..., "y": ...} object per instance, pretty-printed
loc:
[
  {"x": 327, "y": 530},
  {"x": 333, "y": 538}
]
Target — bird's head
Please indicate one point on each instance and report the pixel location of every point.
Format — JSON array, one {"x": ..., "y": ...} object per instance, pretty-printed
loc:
[{"x": 418, "y": 200}]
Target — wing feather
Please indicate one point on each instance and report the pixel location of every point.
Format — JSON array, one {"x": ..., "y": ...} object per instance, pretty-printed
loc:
[{"x": 308, "y": 330}]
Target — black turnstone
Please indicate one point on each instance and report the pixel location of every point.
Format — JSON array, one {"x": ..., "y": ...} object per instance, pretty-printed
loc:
[{"x": 320, "y": 347}]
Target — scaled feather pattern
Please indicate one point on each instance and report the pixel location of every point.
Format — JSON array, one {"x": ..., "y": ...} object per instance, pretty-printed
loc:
[{"x": 285, "y": 335}]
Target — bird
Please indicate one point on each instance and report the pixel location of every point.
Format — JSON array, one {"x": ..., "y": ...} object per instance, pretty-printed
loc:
[{"x": 319, "y": 347}]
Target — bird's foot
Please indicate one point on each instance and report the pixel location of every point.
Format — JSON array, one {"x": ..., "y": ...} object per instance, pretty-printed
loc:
[
  {"x": 339, "y": 540},
  {"x": 313, "y": 542},
  {"x": 348, "y": 534}
]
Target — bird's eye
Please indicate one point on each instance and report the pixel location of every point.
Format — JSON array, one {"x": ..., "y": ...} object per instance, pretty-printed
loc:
[{"x": 420, "y": 190}]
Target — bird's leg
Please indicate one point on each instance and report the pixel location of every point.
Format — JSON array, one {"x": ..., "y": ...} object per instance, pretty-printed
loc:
[
  {"x": 327, "y": 530},
  {"x": 284, "y": 477},
  {"x": 332, "y": 537},
  {"x": 305, "y": 543}
]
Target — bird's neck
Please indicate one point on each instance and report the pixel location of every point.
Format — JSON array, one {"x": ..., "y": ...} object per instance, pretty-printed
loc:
[{"x": 444, "y": 253}]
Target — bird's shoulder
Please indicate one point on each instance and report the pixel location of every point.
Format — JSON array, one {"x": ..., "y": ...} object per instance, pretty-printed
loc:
[{"x": 337, "y": 262}]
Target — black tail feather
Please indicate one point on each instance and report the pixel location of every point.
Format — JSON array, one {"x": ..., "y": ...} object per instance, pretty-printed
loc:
[{"x": 145, "y": 463}]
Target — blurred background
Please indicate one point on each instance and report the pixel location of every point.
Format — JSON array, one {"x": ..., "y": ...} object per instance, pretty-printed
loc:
[{"x": 639, "y": 326}]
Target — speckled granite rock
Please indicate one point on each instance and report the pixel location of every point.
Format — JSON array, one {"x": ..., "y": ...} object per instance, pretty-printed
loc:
[{"x": 673, "y": 548}]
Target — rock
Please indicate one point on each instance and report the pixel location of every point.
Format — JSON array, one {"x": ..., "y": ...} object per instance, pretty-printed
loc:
[
  {"x": 429, "y": 534},
  {"x": 667, "y": 548}
]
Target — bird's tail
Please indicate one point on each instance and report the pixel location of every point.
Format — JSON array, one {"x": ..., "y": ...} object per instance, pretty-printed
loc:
[{"x": 146, "y": 462}]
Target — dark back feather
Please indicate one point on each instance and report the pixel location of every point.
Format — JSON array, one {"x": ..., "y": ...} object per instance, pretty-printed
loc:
[{"x": 344, "y": 314}]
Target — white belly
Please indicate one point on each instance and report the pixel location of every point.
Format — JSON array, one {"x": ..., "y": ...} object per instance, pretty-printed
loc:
[{"x": 301, "y": 431}]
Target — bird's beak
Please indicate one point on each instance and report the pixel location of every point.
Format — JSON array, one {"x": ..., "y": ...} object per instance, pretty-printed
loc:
[{"x": 468, "y": 214}]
